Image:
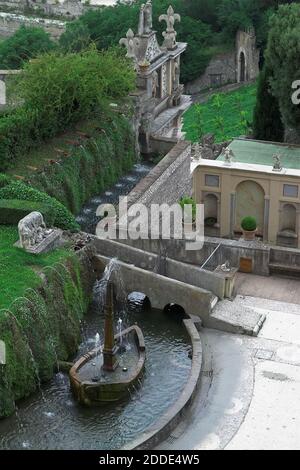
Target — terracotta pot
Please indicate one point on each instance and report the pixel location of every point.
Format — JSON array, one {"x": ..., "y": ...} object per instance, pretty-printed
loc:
[{"x": 249, "y": 235}]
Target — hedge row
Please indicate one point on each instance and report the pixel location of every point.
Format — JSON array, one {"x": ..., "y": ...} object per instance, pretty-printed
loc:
[
  {"x": 62, "y": 218},
  {"x": 13, "y": 210}
]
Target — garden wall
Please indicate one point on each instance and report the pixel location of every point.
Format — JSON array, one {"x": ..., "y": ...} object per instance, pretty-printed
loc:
[
  {"x": 10, "y": 23},
  {"x": 43, "y": 327}
]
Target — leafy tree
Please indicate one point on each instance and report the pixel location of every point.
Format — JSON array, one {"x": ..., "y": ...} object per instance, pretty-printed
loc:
[
  {"x": 267, "y": 123},
  {"x": 26, "y": 43},
  {"x": 283, "y": 59}
]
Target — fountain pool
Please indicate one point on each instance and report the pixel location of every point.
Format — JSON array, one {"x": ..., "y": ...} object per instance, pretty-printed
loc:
[{"x": 54, "y": 420}]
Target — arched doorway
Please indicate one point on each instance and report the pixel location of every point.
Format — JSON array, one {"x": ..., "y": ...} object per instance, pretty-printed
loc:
[
  {"x": 211, "y": 207},
  {"x": 242, "y": 67},
  {"x": 250, "y": 201}
]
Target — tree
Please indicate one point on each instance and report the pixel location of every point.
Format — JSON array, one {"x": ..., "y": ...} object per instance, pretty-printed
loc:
[
  {"x": 267, "y": 123},
  {"x": 283, "y": 59},
  {"x": 26, "y": 43},
  {"x": 76, "y": 38}
]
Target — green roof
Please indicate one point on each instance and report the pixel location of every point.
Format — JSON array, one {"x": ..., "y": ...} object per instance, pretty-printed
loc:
[{"x": 261, "y": 153}]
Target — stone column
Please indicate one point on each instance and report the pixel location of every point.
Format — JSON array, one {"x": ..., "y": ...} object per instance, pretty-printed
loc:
[
  {"x": 232, "y": 212},
  {"x": 266, "y": 219}
]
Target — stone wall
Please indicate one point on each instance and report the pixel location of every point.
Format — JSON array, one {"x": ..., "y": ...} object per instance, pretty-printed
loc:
[
  {"x": 180, "y": 271},
  {"x": 229, "y": 250},
  {"x": 168, "y": 181},
  {"x": 10, "y": 23},
  {"x": 220, "y": 71}
]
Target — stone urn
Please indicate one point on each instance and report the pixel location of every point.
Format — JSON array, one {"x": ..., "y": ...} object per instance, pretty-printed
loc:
[{"x": 144, "y": 66}]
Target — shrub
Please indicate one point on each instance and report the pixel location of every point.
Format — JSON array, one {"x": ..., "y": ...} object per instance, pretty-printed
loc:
[
  {"x": 249, "y": 224},
  {"x": 92, "y": 167},
  {"x": 59, "y": 90},
  {"x": 13, "y": 210},
  {"x": 62, "y": 217},
  {"x": 4, "y": 180}
]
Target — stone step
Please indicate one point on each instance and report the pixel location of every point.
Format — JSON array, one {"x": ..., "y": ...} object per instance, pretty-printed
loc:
[
  {"x": 232, "y": 318},
  {"x": 285, "y": 270}
]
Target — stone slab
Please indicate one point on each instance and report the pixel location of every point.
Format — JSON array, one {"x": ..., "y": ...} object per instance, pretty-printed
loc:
[{"x": 48, "y": 244}]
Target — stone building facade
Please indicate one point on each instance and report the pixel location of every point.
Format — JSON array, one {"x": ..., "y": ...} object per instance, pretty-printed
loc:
[
  {"x": 159, "y": 99},
  {"x": 247, "y": 59},
  {"x": 253, "y": 178}
]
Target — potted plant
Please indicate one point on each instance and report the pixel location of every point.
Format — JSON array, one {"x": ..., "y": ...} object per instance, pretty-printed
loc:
[
  {"x": 188, "y": 201},
  {"x": 249, "y": 227}
]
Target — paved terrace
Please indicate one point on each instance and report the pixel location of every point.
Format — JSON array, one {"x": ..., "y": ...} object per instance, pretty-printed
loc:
[{"x": 250, "y": 392}]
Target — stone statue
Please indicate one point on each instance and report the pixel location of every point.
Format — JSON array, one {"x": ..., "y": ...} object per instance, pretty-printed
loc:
[
  {"x": 145, "y": 21},
  {"x": 196, "y": 151},
  {"x": 32, "y": 230},
  {"x": 176, "y": 76},
  {"x": 170, "y": 34},
  {"x": 226, "y": 267},
  {"x": 277, "y": 166},
  {"x": 131, "y": 43},
  {"x": 228, "y": 156}
]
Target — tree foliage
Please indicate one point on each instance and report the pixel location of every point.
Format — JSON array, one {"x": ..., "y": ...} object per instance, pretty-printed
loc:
[
  {"x": 283, "y": 59},
  {"x": 267, "y": 122},
  {"x": 26, "y": 43}
]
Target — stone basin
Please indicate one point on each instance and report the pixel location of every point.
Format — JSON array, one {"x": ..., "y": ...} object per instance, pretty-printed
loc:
[{"x": 92, "y": 389}]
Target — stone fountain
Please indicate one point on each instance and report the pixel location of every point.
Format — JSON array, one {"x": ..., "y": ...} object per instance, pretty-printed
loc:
[{"x": 106, "y": 375}]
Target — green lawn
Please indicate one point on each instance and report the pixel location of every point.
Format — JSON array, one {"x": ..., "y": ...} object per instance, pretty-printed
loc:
[
  {"x": 226, "y": 115},
  {"x": 18, "y": 269}
]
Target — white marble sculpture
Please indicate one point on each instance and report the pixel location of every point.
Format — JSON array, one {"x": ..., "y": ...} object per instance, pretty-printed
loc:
[
  {"x": 32, "y": 230},
  {"x": 277, "y": 165}
]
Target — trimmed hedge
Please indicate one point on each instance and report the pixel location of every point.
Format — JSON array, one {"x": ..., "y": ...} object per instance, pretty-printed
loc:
[
  {"x": 249, "y": 224},
  {"x": 13, "y": 210},
  {"x": 62, "y": 217}
]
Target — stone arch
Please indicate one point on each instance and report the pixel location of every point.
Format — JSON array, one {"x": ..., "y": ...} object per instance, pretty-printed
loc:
[
  {"x": 175, "y": 310},
  {"x": 242, "y": 67},
  {"x": 250, "y": 201},
  {"x": 211, "y": 203},
  {"x": 288, "y": 218}
]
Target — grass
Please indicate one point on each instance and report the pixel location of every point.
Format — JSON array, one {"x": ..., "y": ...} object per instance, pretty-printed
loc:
[
  {"x": 18, "y": 269},
  {"x": 226, "y": 115}
]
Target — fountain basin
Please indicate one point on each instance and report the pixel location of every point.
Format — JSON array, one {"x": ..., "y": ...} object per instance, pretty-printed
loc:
[{"x": 109, "y": 386}]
